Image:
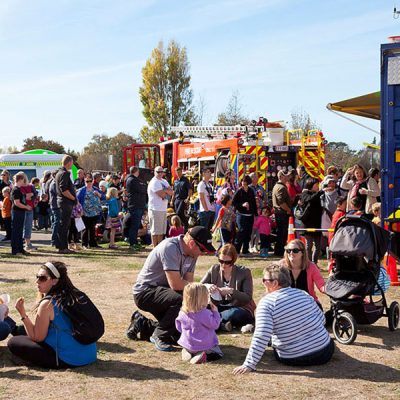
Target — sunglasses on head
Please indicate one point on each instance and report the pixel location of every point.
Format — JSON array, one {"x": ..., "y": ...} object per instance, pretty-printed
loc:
[
  {"x": 226, "y": 262},
  {"x": 42, "y": 278},
  {"x": 295, "y": 251}
]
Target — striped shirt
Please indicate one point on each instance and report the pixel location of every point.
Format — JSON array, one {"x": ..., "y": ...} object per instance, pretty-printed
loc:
[{"x": 291, "y": 319}]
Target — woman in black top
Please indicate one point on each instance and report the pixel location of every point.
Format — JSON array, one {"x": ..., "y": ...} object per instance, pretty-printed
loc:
[
  {"x": 245, "y": 203},
  {"x": 18, "y": 215}
]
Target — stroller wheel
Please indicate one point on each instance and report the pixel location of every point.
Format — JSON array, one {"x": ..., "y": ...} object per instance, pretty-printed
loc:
[
  {"x": 393, "y": 316},
  {"x": 344, "y": 328}
]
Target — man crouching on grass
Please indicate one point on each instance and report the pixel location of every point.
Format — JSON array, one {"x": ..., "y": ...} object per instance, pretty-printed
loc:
[
  {"x": 292, "y": 320},
  {"x": 158, "y": 288}
]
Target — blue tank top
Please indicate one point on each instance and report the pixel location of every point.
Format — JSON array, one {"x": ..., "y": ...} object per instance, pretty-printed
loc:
[{"x": 69, "y": 350}]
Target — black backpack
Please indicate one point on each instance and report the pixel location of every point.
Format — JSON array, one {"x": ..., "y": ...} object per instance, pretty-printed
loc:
[
  {"x": 87, "y": 322},
  {"x": 302, "y": 211}
]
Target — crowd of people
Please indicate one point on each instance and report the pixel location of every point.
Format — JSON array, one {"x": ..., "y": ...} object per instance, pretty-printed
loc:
[{"x": 289, "y": 317}]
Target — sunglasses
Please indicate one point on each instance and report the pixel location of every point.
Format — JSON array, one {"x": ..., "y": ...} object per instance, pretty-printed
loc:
[
  {"x": 160, "y": 172},
  {"x": 295, "y": 251},
  {"x": 88, "y": 181},
  {"x": 226, "y": 262},
  {"x": 265, "y": 280},
  {"x": 42, "y": 278}
]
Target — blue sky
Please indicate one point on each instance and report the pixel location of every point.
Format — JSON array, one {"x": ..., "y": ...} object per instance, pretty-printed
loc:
[{"x": 70, "y": 69}]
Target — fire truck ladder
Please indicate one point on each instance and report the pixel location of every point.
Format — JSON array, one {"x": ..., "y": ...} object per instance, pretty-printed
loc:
[{"x": 218, "y": 132}]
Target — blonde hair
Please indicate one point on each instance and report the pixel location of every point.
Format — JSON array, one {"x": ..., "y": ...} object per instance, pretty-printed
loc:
[
  {"x": 176, "y": 221},
  {"x": 300, "y": 245},
  {"x": 195, "y": 297},
  {"x": 6, "y": 189},
  {"x": 376, "y": 207},
  {"x": 20, "y": 176},
  {"x": 111, "y": 192}
]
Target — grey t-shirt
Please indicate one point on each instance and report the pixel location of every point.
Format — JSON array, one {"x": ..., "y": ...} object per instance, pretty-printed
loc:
[{"x": 167, "y": 256}]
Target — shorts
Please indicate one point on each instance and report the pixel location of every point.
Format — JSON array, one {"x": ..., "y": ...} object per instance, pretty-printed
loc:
[
  {"x": 158, "y": 222},
  {"x": 113, "y": 223}
]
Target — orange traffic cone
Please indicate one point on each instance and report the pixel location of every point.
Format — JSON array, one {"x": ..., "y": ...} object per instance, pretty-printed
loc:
[
  {"x": 291, "y": 235},
  {"x": 391, "y": 268}
]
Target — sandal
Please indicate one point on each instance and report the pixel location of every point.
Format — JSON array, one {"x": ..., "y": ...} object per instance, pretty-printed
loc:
[{"x": 113, "y": 246}]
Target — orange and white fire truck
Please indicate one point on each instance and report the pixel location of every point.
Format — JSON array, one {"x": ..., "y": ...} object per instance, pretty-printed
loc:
[{"x": 264, "y": 149}]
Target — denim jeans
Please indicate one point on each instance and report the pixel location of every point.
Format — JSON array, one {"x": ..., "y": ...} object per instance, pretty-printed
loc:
[
  {"x": 6, "y": 327},
  {"x": 136, "y": 218},
  {"x": 43, "y": 221},
  {"x": 17, "y": 241},
  {"x": 207, "y": 219},
  {"x": 55, "y": 223},
  {"x": 28, "y": 224},
  {"x": 245, "y": 226},
  {"x": 236, "y": 315}
]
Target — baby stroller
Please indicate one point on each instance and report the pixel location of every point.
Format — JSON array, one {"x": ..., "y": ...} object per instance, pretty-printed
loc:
[{"x": 357, "y": 249}]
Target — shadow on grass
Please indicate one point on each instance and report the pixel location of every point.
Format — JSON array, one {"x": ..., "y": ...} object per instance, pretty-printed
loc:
[
  {"x": 16, "y": 374},
  {"x": 10, "y": 280},
  {"x": 128, "y": 370},
  {"x": 110, "y": 347},
  {"x": 341, "y": 367}
]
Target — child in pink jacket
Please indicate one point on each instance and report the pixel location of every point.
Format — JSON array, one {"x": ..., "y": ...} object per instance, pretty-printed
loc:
[{"x": 263, "y": 225}]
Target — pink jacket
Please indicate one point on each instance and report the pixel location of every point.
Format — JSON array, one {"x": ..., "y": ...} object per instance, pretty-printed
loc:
[
  {"x": 314, "y": 278},
  {"x": 263, "y": 225}
]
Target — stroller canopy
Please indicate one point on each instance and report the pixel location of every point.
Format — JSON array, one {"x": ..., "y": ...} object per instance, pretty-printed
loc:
[{"x": 357, "y": 236}]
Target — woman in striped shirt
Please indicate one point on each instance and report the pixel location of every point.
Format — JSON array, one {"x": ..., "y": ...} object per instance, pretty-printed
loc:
[{"x": 292, "y": 320}]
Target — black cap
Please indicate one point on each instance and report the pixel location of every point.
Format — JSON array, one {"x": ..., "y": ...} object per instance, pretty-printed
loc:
[
  {"x": 115, "y": 177},
  {"x": 203, "y": 237}
]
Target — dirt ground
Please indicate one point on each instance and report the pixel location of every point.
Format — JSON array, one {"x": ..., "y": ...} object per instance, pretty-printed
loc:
[{"x": 369, "y": 368}]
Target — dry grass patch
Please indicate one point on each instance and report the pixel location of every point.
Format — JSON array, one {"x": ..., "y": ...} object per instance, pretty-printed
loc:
[{"x": 369, "y": 368}]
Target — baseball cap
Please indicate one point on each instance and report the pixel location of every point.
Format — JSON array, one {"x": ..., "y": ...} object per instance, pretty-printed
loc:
[
  {"x": 281, "y": 173},
  {"x": 159, "y": 169},
  {"x": 203, "y": 237}
]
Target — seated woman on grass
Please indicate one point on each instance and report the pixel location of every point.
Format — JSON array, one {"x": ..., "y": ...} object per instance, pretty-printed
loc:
[
  {"x": 235, "y": 286},
  {"x": 48, "y": 342},
  {"x": 291, "y": 321}
]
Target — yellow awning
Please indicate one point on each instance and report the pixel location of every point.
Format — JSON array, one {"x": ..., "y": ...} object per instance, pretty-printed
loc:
[{"x": 368, "y": 106}]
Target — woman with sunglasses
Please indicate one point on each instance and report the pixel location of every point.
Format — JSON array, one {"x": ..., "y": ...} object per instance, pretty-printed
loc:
[
  {"x": 48, "y": 340},
  {"x": 235, "y": 286},
  {"x": 90, "y": 198},
  {"x": 290, "y": 322},
  {"x": 304, "y": 273}
]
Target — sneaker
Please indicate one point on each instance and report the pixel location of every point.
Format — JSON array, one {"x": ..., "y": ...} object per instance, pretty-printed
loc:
[
  {"x": 186, "y": 355},
  {"x": 249, "y": 328},
  {"x": 113, "y": 246},
  {"x": 30, "y": 247},
  {"x": 226, "y": 326},
  {"x": 199, "y": 358},
  {"x": 264, "y": 253},
  {"x": 160, "y": 345}
]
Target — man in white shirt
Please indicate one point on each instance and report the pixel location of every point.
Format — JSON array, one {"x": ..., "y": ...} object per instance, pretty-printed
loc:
[
  {"x": 206, "y": 196},
  {"x": 159, "y": 193}
]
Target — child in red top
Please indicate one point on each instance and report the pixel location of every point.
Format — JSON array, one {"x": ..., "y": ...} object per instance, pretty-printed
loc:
[
  {"x": 176, "y": 227},
  {"x": 6, "y": 212},
  {"x": 340, "y": 211},
  {"x": 263, "y": 224}
]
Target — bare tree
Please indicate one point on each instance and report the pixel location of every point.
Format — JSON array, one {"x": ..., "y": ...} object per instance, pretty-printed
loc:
[
  {"x": 302, "y": 120},
  {"x": 233, "y": 114}
]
